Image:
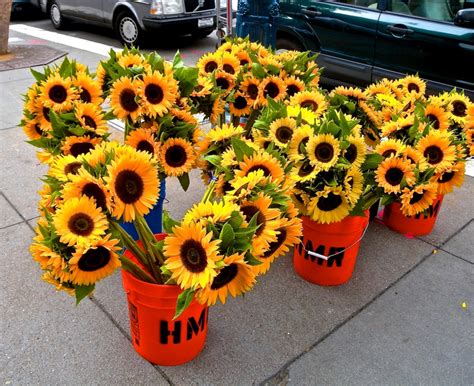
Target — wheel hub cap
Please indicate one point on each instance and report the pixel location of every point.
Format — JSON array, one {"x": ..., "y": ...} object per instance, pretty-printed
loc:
[{"x": 129, "y": 30}]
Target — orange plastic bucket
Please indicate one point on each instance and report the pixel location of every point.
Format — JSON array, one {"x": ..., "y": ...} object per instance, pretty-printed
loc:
[
  {"x": 340, "y": 241},
  {"x": 421, "y": 224},
  {"x": 155, "y": 335}
]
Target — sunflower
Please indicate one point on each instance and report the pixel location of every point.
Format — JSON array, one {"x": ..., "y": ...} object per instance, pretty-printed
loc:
[
  {"x": 271, "y": 87},
  {"x": 32, "y": 129},
  {"x": 240, "y": 105},
  {"x": 437, "y": 149},
  {"x": 323, "y": 151},
  {"x": 157, "y": 93},
  {"x": 416, "y": 158},
  {"x": 353, "y": 185},
  {"x": 243, "y": 186},
  {"x": 329, "y": 205},
  {"x": 63, "y": 167},
  {"x": 268, "y": 221},
  {"x": 203, "y": 88},
  {"x": 352, "y": 93},
  {"x": 418, "y": 199},
  {"x": 133, "y": 182},
  {"x": 79, "y": 145},
  {"x": 230, "y": 63},
  {"x": 250, "y": 87},
  {"x": 218, "y": 107},
  {"x": 208, "y": 64},
  {"x": 356, "y": 151},
  {"x": 40, "y": 252},
  {"x": 235, "y": 278},
  {"x": 294, "y": 85},
  {"x": 301, "y": 136},
  {"x": 371, "y": 114},
  {"x": 223, "y": 186},
  {"x": 371, "y": 137},
  {"x": 306, "y": 116},
  {"x": 244, "y": 58},
  {"x": 437, "y": 117},
  {"x": 304, "y": 171},
  {"x": 390, "y": 148},
  {"x": 102, "y": 77},
  {"x": 57, "y": 93},
  {"x": 84, "y": 184},
  {"x": 32, "y": 99},
  {"x": 224, "y": 81},
  {"x": 392, "y": 171},
  {"x": 301, "y": 200},
  {"x": 50, "y": 278},
  {"x": 414, "y": 85},
  {"x": 79, "y": 221},
  {"x": 213, "y": 212},
  {"x": 191, "y": 255},
  {"x": 377, "y": 88},
  {"x": 264, "y": 161},
  {"x": 88, "y": 88},
  {"x": 130, "y": 60},
  {"x": 91, "y": 118},
  {"x": 281, "y": 131},
  {"x": 224, "y": 133},
  {"x": 389, "y": 128},
  {"x": 123, "y": 94},
  {"x": 95, "y": 261},
  {"x": 311, "y": 100},
  {"x": 183, "y": 116},
  {"x": 448, "y": 179},
  {"x": 177, "y": 156},
  {"x": 459, "y": 105},
  {"x": 143, "y": 140}
]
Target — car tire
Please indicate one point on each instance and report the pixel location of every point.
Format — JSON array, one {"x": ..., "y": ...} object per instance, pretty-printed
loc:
[
  {"x": 203, "y": 33},
  {"x": 288, "y": 44},
  {"x": 55, "y": 15},
  {"x": 128, "y": 30}
]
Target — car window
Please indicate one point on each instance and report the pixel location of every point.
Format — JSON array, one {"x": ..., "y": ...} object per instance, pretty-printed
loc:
[
  {"x": 360, "y": 3},
  {"x": 442, "y": 10}
]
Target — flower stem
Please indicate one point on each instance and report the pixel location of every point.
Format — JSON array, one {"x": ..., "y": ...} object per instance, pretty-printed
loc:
[
  {"x": 250, "y": 121},
  {"x": 129, "y": 266},
  {"x": 147, "y": 238},
  {"x": 130, "y": 243}
]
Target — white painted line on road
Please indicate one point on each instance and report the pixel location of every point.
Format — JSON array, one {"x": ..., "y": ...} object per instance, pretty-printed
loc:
[
  {"x": 15, "y": 40},
  {"x": 470, "y": 168},
  {"x": 70, "y": 41}
]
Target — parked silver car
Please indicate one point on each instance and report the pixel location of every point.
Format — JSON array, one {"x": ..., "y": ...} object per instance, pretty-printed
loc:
[{"x": 131, "y": 19}]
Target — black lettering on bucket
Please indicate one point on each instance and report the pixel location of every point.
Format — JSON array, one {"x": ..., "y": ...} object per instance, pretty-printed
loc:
[
  {"x": 432, "y": 211},
  {"x": 193, "y": 327},
  {"x": 165, "y": 332},
  {"x": 323, "y": 250}
]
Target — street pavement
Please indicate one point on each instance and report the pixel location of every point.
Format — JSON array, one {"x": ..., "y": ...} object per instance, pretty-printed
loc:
[{"x": 400, "y": 320}]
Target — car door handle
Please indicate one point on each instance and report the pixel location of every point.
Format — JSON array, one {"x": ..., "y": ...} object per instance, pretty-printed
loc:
[
  {"x": 311, "y": 12},
  {"x": 399, "y": 30}
]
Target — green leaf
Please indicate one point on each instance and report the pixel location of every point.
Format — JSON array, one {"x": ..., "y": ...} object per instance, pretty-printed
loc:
[
  {"x": 235, "y": 220},
  {"x": 387, "y": 199},
  {"x": 77, "y": 130},
  {"x": 227, "y": 237},
  {"x": 241, "y": 149},
  {"x": 372, "y": 161},
  {"x": 258, "y": 71},
  {"x": 187, "y": 78},
  {"x": 184, "y": 181},
  {"x": 184, "y": 300},
  {"x": 177, "y": 61},
  {"x": 38, "y": 75},
  {"x": 82, "y": 291},
  {"x": 168, "y": 222},
  {"x": 213, "y": 160},
  {"x": 252, "y": 260}
]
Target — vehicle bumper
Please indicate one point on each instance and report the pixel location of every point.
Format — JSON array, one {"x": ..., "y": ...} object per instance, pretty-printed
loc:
[{"x": 181, "y": 25}]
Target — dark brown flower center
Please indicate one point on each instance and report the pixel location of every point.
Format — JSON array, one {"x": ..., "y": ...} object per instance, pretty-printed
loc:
[
  {"x": 249, "y": 211},
  {"x": 72, "y": 168},
  {"x": 127, "y": 100},
  {"x": 85, "y": 95},
  {"x": 274, "y": 245},
  {"x": 129, "y": 186},
  {"x": 351, "y": 153},
  {"x": 284, "y": 134},
  {"x": 292, "y": 89},
  {"x": 416, "y": 198},
  {"x": 272, "y": 90},
  {"x": 413, "y": 87},
  {"x": 57, "y": 93},
  {"x": 329, "y": 203},
  {"x": 94, "y": 259},
  {"x": 369, "y": 134},
  {"x": 89, "y": 121},
  {"x": 46, "y": 114},
  {"x": 252, "y": 90},
  {"x": 228, "y": 68},
  {"x": 210, "y": 66},
  {"x": 81, "y": 224},
  {"x": 433, "y": 119},
  {"x": 266, "y": 171},
  {"x": 94, "y": 191},
  {"x": 324, "y": 152},
  {"x": 243, "y": 62},
  {"x": 459, "y": 108},
  {"x": 225, "y": 276},
  {"x": 81, "y": 148},
  {"x": 38, "y": 129},
  {"x": 144, "y": 145},
  {"x": 394, "y": 176},
  {"x": 388, "y": 153},
  {"x": 310, "y": 104},
  {"x": 240, "y": 103},
  {"x": 154, "y": 94},
  {"x": 306, "y": 169},
  {"x": 223, "y": 83},
  {"x": 446, "y": 177},
  {"x": 176, "y": 156},
  {"x": 433, "y": 154},
  {"x": 193, "y": 256}
]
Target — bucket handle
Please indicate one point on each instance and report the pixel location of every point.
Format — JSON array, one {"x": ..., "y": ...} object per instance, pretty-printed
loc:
[{"x": 324, "y": 257}]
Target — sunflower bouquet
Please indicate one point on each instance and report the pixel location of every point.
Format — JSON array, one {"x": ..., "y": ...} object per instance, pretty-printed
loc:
[
  {"x": 240, "y": 76},
  {"x": 62, "y": 112}
]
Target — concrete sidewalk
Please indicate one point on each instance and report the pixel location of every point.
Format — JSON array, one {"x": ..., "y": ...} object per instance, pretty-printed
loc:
[{"x": 398, "y": 321}]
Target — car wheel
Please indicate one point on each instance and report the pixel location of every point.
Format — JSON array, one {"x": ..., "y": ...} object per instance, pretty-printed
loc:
[
  {"x": 55, "y": 15},
  {"x": 287, "y": 44},
  {"x": 128, "y": 30}
]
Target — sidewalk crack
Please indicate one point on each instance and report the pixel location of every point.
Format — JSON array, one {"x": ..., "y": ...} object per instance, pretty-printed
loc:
[{"x": 17, "y": 211}]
